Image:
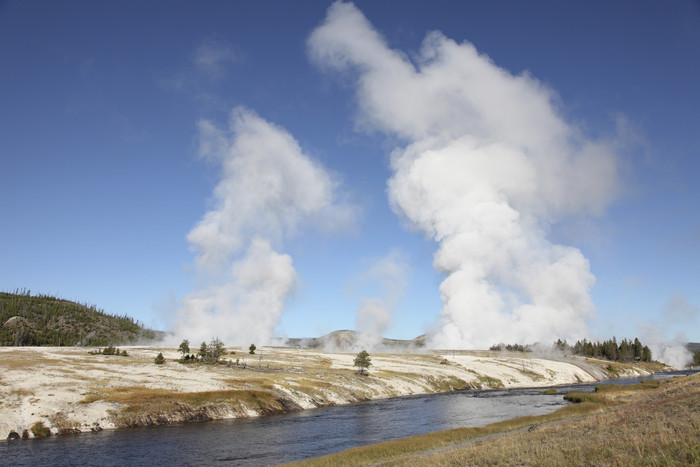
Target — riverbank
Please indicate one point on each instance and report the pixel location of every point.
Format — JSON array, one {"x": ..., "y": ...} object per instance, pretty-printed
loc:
[
  {"x": 61, "y": 390},
  {"x": 656, "y": 422}
]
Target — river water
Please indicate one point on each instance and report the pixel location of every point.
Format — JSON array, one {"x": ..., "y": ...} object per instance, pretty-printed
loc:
[{"x": 288, "y": 437}]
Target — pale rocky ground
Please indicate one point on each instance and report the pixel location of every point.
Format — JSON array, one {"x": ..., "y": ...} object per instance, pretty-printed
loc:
[{"x": 68, "y": 388}]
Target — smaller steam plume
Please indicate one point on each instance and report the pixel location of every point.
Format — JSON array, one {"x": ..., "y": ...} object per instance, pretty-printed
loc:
[
  {"x": 374, "y": 313},
  {"x": 267, "y": 189}
]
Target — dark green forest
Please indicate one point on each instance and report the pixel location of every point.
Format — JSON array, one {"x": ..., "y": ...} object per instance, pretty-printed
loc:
[
  {"x": 27, "y": 319},
  {"x": 625, "y": 351}
]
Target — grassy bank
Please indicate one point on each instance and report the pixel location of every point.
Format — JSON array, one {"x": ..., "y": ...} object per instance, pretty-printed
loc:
[{"x": 646, "y": 424}]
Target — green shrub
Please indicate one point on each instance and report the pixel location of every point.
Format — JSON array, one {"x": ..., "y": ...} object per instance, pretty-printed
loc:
[
  {"x": 160, "y": 359},
  {"x": 39, "y": 430}
]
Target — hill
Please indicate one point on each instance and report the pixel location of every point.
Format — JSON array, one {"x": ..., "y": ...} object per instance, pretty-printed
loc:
[{"x": 45, "y": 320}]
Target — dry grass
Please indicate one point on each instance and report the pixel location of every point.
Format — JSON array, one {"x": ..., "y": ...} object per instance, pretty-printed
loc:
[
  {"x": 445, "y": 384},
  {"x": 139, "y": 401},
  {"x": 21, "y": 360},
  {"x": 620, "y": 369},
  {"x": 647, "y": 424},
  {"x": 489, "y": 382},
  {"x": 62, "y": 421}
]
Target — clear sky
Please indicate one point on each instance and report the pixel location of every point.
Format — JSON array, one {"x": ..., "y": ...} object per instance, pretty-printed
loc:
[{"x": 140, "y": 142}]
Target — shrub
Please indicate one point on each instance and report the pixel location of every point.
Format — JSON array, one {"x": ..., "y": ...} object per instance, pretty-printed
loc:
[
  {"x": 159, "y": 360},
  {"x": 39, "y": 430}
]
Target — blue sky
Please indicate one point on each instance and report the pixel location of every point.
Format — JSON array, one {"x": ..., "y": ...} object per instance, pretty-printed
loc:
[{"x": 102, "y": 179}]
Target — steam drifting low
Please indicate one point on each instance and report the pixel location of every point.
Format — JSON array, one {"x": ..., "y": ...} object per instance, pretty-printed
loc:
[
  {"x": 488, "y": 166},
  {"x": 267, "y": 189},
  {"x": 374, "y": 313}
]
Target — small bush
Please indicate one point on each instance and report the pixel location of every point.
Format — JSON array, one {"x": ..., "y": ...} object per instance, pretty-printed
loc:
[
  {"x": 580, "y": 397},
  {"x": 39, "y": 430},
  {"x": 159, "y": 360}
]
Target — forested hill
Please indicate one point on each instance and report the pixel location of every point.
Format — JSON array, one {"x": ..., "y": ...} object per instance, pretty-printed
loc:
[{"x": 44, "y": 320}]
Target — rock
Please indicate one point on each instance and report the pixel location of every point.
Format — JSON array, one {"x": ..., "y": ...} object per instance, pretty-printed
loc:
[
  {"x": 25, "y": 434},
  {"x": 13, "y": 436}
]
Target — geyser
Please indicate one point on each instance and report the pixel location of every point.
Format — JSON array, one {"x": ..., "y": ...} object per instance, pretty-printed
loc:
[
  {"x": 487, "y": 166},
  {"x": 268, "y": 188}
]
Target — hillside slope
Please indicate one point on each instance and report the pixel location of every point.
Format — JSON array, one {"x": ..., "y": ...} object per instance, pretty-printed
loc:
[{"x": 45, "y": 320}]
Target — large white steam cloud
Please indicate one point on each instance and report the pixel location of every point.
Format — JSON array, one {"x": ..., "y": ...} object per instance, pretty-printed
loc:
[
  {"x": 489, "y": 165},
  {"x": 268, "y": 187}
]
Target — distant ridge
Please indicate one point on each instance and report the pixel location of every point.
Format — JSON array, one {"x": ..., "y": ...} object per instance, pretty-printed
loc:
[
  {"x": 348, "y": 340},
  {"x": 45, "y": 320}
]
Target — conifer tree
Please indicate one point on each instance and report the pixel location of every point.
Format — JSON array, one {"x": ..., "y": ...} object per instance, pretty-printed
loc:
[{"x": 362, "y": 361}]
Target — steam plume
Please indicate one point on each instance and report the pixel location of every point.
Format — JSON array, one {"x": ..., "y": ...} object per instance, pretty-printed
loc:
[
  {"x": 488, "y": 166},
  {"x": 267, "y": 188},
  {"x": 374, "y": 313}
]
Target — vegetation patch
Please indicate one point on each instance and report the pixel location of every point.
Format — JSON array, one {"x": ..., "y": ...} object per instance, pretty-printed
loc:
[
  {"x": 450, "y": 383},
  {"x": 141, "y": 405},
  {"x": 109, "y": 350},
  {"x": 489, "y": 382},
  {"x": 39, "y": 430},
  {"x": 61, "y": 421}
]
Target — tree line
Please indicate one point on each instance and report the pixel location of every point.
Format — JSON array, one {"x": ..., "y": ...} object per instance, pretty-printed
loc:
[{"x": 625, "y": 351}]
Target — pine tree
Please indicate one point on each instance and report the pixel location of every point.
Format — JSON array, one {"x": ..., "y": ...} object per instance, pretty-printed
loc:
[
  {"x": 637, "y": 349},
  {"x": 216, "y": 349},
  {"x": 362, "y": 361},
  {"x": 184, "y": 347},
  {"x": 203, "y": 351}
]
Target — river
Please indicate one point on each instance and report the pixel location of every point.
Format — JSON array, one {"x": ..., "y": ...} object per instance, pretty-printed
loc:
[{"x": 289, "y": 437}]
